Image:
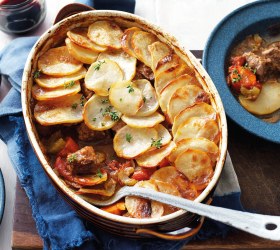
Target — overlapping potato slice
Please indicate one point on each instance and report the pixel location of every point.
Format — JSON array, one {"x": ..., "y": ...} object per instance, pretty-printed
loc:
[
  {"x": 143, "y": 121},
  {"x": 150, "y": 104},
  {"x": 141, "y": 208},
  {"x": 203, "y": 144},
  {"x": 58, "y": 62},
  {"x": 41, "y": 94},
  {"x": 126, "y": 62},
  {"x": 140, "y": 41},
  {"x": 163, "y": 134},
  {"x": 99, "y": 114},
  {"x": 130, "y": 142},
  {"x": 267, "y": 102},
  {"x": 162, "y": 79},
  {"x": 153, "y": 158},
  {"x": 126, "y": 97},
  {"x": 170, "y": 89},
  {"x": 101, "y": 75},
  {"x": 196, "y": 127},
  {"x": 79, "y": 37},
  {"x": 158, "y": 51},
  {"x": 46, "y": 81},
  {"x": 183, "y": 98},
  {"x": 198, "y": 110},
  {"x": 105, "y": 33},
  {"x": 126, "y": 40},
  {"x": 59, "y": 111},
  {"x": 80, "y": 53},
  {"x": 193, "y": 163},
  {"x": 168, "y": 62}
]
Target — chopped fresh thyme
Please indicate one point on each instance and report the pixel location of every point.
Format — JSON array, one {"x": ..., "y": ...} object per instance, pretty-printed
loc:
[
  {"x": 74, "y": 105},
  {"x": 72, "y": 158},
  {"x": 120, "y": 99},
  {"x": 104, "y": 101},
  {"x": 69, "y": 84},
  {"x": 144, "y": 99},
  {"x": 156, "y": 143},
  {"x": 246, "y": 66},
  {"x": 130, "y": 89},
  {"x": 98, "y": 65},
  {"x": 113, "y": 114},
  {"x": 236, "y": 76},
  {"x": 128, "y": 137},
  {"x": 102, "y": 124},
  {"x": 94, "y": 119},
  {"x": 37, "y": 74},
  {"x": 82, "y": 101},
  {"x": 99, "y": 173}
]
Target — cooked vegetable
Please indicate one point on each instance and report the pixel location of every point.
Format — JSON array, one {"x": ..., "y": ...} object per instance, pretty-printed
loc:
[{"x": 143, "y": 121}]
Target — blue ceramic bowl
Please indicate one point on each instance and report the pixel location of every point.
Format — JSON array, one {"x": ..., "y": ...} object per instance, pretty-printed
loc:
[
  {"x": 2, "y": 196},
  {"x": 249, "y": 19}
]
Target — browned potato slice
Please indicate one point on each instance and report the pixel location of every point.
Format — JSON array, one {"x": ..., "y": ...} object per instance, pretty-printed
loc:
[
  {"x": 150, "y": 104},
  {"x": 126, "y": 97},
  {"x": 183, "y": 98},
  {"x": 82, "y": 54},
  {"x": 131, "y": 142},
  {"x": 140, "y": 41},
  {"x": 126, "y": 62},
  {"x": 101, "y": 75},
  {"x": 58, "y": 62},
  {"x": 203, "y": 144},
  {"x": 41, "y": 94},
  {"x": 168, "y": 188},
  {"x": 59, "y": 111},
  {"x": 193, "y": 163},
  {"x": 126, "y": 40},
  {"x": 171, "y": 87},
  {"x": 79, "y": 37},
  {"x": 167, "y": 62},
  {"x": 105, "y": 33},
  {"x": 198, "y": 110},
  {"x": 46, "y": 81},
  {"x": 196, "y": 127},
  {"x": 143, "y": 121},
  {"x": 267, "y": 102},
  {"x": 153, "y": 158},
  {"x": 99, "y": 114},
  {"x": 158, "y": 51},
  {"x": 141, "y": 208},
  {"x": 163, "y": 79},
  {"x": 163, "y": 134}
]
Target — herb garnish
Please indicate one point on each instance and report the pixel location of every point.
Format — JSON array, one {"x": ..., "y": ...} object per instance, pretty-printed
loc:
[
  {"x": 120, "y": 99},
  {"x": 104, "y": 101},
  {"x": 69, "y": 84},
  {"x": 98, "y": 65},
  {"x": 99, "y": 174},
  {"x": 128, "y": 137},
  {"x": 246, "y": 66},
  {"x": 113, "y": 114},
  {"x": 37, "y": 74},
  {"x": 144, "y": 99},
  {"x": 74, "y": 105},
  {"x": 72, "y": 158},
  {"x": 130, "y": 89},
  {"x": 156, "y": 143},
  {"x": 82, "y": 100},
  {"x": 237, "y": 76},
  {"x": 93, "y": 119}
]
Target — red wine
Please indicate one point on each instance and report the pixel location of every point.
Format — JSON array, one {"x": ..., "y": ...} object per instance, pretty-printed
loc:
[{"x": 11, "y": 2}]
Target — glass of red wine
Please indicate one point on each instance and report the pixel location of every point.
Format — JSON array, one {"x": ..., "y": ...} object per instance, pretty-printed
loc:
[{"x": 20, "y": 16}]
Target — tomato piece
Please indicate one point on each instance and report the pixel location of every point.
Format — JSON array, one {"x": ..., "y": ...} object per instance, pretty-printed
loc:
[
  {"x": 61, "y": 166},
  {"x": 143, "y": 174},
  {"x": 70, "y": 147}
]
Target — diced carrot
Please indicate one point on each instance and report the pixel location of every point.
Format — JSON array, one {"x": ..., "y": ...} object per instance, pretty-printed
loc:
[{"x": 117, "y": 208}]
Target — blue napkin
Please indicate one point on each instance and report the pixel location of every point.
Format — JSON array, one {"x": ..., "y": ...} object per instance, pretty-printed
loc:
[{"x": 57, "y": 223}]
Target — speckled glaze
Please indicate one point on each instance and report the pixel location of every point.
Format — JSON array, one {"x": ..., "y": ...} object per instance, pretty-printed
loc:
[
  {"x": 250, "y": 19},
  {"x": 124, "y": 226}
]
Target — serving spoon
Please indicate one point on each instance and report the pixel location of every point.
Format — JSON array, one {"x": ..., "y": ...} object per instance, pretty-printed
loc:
[{"x": 265, "y": 226}]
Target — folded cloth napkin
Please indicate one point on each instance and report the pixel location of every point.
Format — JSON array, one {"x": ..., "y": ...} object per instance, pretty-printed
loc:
[{"x": 57, "y": 223}]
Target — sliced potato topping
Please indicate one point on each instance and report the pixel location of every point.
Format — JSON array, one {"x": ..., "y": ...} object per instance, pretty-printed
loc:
[
  {"x": 170, "y": 89},
  {"x": 46, "y": 81},
  {"x": 193, "y": 163},
  {"x": 163, "y": 134},
  {"x": 183, "y": 98},
  {"x": 126, "y": 62},
  {"x": 150, "y": 104},
  {"x": 79, "y": 37},
  {"x": 168, "y": 62},
  {"x": 80, "y": 53},
  {"x": 196, "y": 127},
  {"x": 41, "y": 94},
  {"x": 267, "y": 102},
  {"x": 59, "y": 111},
  {"x": 126, "y": 40},
  {"x": 203, "y": 144},
  {"x": 99, "y": 114},
  {"x": 130, "y": 142},
  {"x": 105, "y": 33},
  {"x": 140, "y": 41},
  {"x": 126, "y": 97},
  {"x": 158, "y": 51},
  {"x": 143, "y": 121},
  {"x": 153, "y": 158},
  {"x": 58, "y": 62},
  {"x": 101, "y": 75},
  {"x": 198, "y": 110}
]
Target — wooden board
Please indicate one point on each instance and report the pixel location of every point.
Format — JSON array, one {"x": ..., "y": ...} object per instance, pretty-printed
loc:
[{"x": 257, "y": 164}]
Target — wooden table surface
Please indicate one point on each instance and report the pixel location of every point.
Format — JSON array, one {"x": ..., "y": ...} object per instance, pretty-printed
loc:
[{"x": 257, "y": 165}]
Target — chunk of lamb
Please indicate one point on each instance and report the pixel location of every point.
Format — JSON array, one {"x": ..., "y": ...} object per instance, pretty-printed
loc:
[
  {"x": 86, "y": 134},
  {"x": 143, "y": 71},
  {"x": 85, "y": 160},
  {"x": 272, "y": 53}
]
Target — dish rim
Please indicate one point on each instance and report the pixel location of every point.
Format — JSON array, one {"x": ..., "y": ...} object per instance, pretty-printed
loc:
[{"x": 2, "y": 196}]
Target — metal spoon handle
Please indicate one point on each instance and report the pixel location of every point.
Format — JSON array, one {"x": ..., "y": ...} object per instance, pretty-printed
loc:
[{"x": 264, "y": 226}]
